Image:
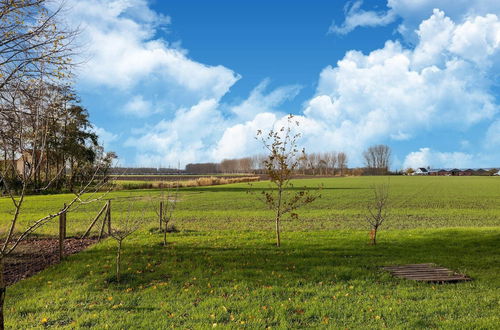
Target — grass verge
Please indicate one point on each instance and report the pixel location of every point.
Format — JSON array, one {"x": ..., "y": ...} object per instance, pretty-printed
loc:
[{"x": 235, "y": 279}]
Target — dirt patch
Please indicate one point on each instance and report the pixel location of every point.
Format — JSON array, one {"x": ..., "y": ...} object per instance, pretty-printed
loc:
[{"x": 34, "y": 255}]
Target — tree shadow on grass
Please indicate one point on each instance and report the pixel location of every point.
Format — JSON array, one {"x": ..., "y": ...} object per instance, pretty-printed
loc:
[
  {"x": 223, "y": 188},
  {"x": 304, "y": 260}
]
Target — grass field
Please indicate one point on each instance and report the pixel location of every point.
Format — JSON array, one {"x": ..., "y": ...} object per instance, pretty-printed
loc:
[
  {"x": 417, "y": 202},
  {"x": 221, "y": 269}
]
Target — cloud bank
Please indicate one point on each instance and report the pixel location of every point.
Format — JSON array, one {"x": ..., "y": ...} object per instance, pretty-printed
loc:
[{"x": 444, "y": 80}]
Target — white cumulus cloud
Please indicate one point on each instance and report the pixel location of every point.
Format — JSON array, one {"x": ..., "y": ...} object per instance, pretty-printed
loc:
[
  {"x": 124, "y": 51},
  {"x": 412, "y": 13},
  {"x": 106, "y": 138},
  {"x": 204, "y": 133},
  {"x": 397, "y": 92},
  {"x": 355, "y": 16}
]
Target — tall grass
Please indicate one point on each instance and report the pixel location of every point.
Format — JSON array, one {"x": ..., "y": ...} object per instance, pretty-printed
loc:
[{"x": 199, "y": 182}]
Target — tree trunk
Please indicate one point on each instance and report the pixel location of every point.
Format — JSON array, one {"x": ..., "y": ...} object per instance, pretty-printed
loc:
[
  {"x": 373, "y": 236},
  {"x": 278, "y": 217},
  {"x": 3, "y": 288},
  {"x": 278, "y": 240},
  {"x": 161, "y": 215},
  {"x": 118, "y": 261},
  {"x": 165, "y": 236}
]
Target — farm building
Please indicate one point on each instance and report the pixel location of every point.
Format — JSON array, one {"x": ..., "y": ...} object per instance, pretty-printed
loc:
[
  {"x": 481, "y": 172},
  {"x": 421, "y": 171},
  {"x": 456, "y": 172},
  {"x": 25, "y": 162}
]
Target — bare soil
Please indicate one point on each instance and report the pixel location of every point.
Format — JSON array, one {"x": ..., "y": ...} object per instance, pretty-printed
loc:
[{"x": 34, "y": 255}]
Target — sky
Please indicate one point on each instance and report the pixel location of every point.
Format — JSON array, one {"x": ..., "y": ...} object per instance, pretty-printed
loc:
[{"x": 182, "y": 81}]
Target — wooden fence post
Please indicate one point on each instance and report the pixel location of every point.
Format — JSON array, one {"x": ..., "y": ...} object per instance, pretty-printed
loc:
[
  {"x": 95, "y": 220},
  {"x": 109, "y": 217},
  {"x": 62, "y": 232},
  {"x": 161, "y": 215},
  {"x": 104, "y": 221}
]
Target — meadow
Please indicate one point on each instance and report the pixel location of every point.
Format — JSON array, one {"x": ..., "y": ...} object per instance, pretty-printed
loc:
[{"x": 221, "y": 268}]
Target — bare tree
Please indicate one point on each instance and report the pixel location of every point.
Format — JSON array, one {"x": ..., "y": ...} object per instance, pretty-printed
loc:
[
  {"x": 303, "y": 163},
  {"x": 15, "y": 236},
  {"x": 246, "y": 165},
  {"x": 377, "y": 210},
  {"x": 258, "y": 163},
  {"x": 322, "y": 163},
  {"x": 123, "y": 227},
  {"x": 377, "y": 159},
  {"x": 281, "y": 163},
  {"x": 33, "y": 40},
  {"x": 36, "y": 50},
  {"x": 342, "y": 162},
  {"x": 333, "y": 160},
  {"x": 168, "y": 204},
  {"x": 311, "y": 162}
]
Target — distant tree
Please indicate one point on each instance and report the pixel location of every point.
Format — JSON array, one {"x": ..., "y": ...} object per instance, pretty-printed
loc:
[
  {"x": 311, "y": 162},
  {"x": 281, "y": 163},
  {"x": 303, "y": 163},
  {"x": 342, "y": 162},
  {"x": 377, "y": 159},
  {"x": 409, "y": 171},
  {"x": 245, "y": 164},
  {"x": 331, "y": 161},
  {"x": 377, "y": 210},
  {"x": 323, "y": 163},
  {"x": 357, "y": 171}
]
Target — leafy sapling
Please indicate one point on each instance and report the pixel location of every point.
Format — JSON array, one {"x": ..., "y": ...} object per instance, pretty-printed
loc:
[{"x": 280, "y": 164}]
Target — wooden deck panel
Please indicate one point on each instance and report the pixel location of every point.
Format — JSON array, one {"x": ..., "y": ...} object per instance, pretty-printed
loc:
[{"x": 427, "y": 272}]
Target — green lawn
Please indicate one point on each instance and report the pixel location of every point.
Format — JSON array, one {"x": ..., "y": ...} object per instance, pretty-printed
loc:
[
  {"x": 223, "y": 270},
  {"x": 233, "y": 279}
]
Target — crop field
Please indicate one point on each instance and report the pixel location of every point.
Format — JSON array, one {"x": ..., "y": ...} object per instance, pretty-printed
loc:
[
  {"x": 221, "y": 269},
  {"x": 416, "y": 202}
]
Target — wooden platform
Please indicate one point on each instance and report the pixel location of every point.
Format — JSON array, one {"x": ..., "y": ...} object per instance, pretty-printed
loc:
[{"x": 426, "y": 273}]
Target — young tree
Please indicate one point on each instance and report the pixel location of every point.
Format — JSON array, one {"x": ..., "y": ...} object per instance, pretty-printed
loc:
[
  {"x": 377, "y": 210},
  {"x": 168, "y": 203},
  {"x": 123, "y": 227},
  {"x": 281, "y": 163}
]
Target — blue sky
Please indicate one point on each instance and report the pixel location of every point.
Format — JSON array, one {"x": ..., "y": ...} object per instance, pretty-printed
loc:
[{"x": 192, "y": 81}]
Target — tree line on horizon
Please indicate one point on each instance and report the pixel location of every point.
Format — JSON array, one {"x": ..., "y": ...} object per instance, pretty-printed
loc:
[{"x": 377, "y": 162}]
